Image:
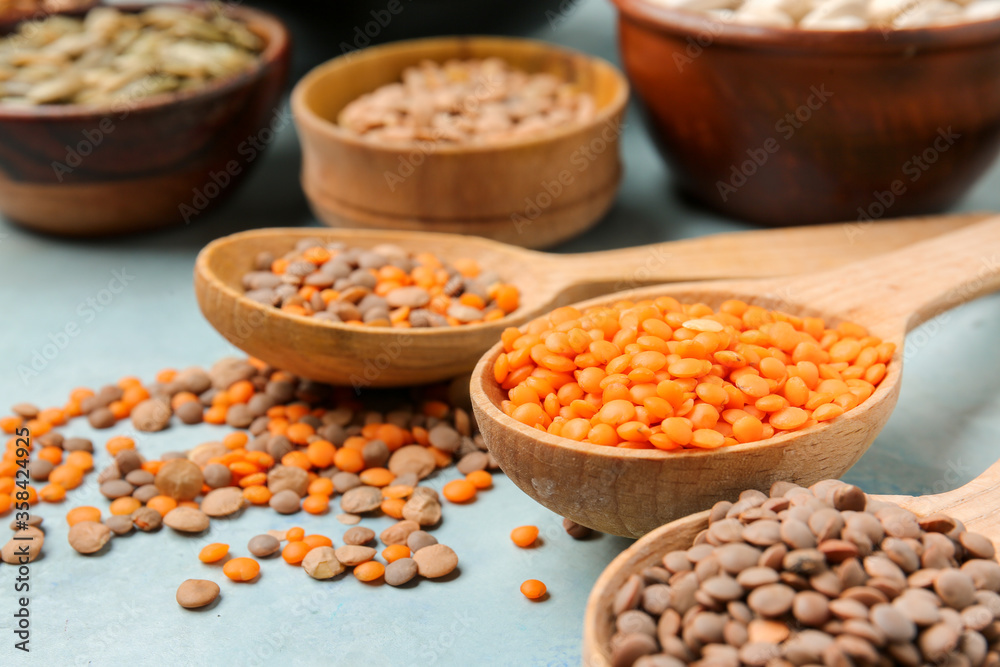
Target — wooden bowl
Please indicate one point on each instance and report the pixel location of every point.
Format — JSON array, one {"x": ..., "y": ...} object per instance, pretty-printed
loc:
[
  {"x": 503, "y": 191},
  {"x": 630, "y": 492},
  {"x": 80, "y": 171},
  {"x": 10, "y": 19},
  {"x": 889, "y": 123}
]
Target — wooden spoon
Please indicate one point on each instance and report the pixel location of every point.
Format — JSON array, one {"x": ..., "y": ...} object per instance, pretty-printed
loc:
[
  {"x": 384, "y": 357},
  {"x": 632, "y": 491},
  {"x": 976, "y": 505}
]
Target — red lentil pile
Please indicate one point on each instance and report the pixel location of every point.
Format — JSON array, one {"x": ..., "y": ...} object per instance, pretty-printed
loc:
[{"x": 665, "y": 375}]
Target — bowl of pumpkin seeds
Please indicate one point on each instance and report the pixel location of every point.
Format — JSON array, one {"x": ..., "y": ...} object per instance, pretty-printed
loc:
[{"x": 126, "y": 118}]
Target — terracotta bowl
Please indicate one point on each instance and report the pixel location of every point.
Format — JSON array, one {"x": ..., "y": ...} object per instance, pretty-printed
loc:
[
  {"x": 782, "y": 126},
  {"x": 532, "y": 192},
  {"x": 80, "y": 171}
]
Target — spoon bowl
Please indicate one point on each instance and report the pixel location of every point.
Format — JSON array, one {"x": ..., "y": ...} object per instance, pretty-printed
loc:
[
  {"x": 630, "y": 492},
  {"x": 386, "y": 357},
  {"x": 976, "y": 505}
]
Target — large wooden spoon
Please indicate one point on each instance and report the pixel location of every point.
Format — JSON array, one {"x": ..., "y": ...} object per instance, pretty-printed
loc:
[
  {"x": 384, "y": 357},
  {"x": 632, "y": 491},
  {"x": 977, "y": 505}
]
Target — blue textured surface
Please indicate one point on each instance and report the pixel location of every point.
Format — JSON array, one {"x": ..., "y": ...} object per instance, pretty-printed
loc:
[{"x": 118, "y": 608}]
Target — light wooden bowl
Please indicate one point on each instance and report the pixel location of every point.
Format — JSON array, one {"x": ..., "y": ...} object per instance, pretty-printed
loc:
[
  {"x": 976, "y": 505},
  {"x": 483, "y": 190},
  {"x": 632, "y": 491}
]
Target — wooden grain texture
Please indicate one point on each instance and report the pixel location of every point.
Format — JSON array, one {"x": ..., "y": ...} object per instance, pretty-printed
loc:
[
  {"x": 497, "y": 191},
  {"x": 976, "y": 505},
  {"x": 345, "y": 354},
  {"x": 630, "y": 492},
  {"x": 788, "y": 118},
  {"x": 136, "y": 164}
]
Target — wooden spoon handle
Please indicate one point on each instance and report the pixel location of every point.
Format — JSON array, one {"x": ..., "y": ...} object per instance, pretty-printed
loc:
[
  {"x": 977, "y": 504},
  {"x": 751, "y": 254},
  {"x": 911, "y": 285}
]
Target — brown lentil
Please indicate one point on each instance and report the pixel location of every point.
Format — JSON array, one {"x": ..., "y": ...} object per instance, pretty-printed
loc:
[
  {"x": 89, "y": 537},
  {"x": 358, "y": 535},
  {"x": 223, "y": 502},
  {"x": 436, "y": 560},
  {"x": 843, "y": 584},
  {"x": 187, "y": 520},
  {"x": 263, "y": 545},
  {"x": 31, "y": 537},
  {"x": 323, "y": 563},
  {"x": 400, "y": 571},
  {"x": 195, "y": 593}
]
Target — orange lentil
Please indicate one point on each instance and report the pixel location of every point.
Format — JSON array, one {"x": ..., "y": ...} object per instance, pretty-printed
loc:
[
  {"x": 393, "y": 507},
  {"x": 320, "y": 453},
  {"x": 67, "y": 476},
  {"x": 459, "y": 491},
  {"x": 133, "y": 396},
  {"x": 299, "y": 433},
  {"x": 257, "y": 495},
  {"x": 658, "y": 373},
  {"x": 53, "y": 416},
  {"x": 253, "y": 479},
  {"x": 189, "y": 503},
  {"x": 297, "y": 459},
  {"x": 321, "y": 486},
  {"x": 11, "y": 424},
  {"x": 119, "y": 410},
  {"x": 161, "y": 504},
  {"x": 52, "y": 493},
  {"x": 480, "y": 479},
  {"x": 294, "y": 552},
  {"x": 182, "y": 397},
  {"x": 124, "y": 506},
  {"x": 53, "y": 455},
  {"x": 82, "y": 513},
  {"x": 213, "y": 553},
  {"x": 235, "y": 440},
  {"x": 119, "y": 443},
  {"x": 349, "y": 460},
  {"x": 524, "y": 536},
  {"x": 397, "y": 491},
  {"x": 241, "y": 569},
  {"x": 315, "y": 541},
  {"x": 6, "y": 484},
  {"x": 533, "y": 589},
  {"x": 215, "y": 415},
  {"x": 316, "y": 504},
  {"x": 394, "y": 552},
  {"x": 377, "y": 477},
  {"x": 80, "y": 459},
  {"x": 5, "y": 502},
  {"x": 38, "y": 427},
  {"x": 295, "y": 534},
  {"x": 369, "y": 571}
]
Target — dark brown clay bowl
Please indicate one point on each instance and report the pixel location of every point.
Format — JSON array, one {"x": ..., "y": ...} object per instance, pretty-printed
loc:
[
  {"x": 80, "y": 171},
  {"x": 782, "y": 126},
  {"x": 11, "y": 18}
]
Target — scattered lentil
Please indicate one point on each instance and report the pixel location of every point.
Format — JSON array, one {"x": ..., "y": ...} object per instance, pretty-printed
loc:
[{"x": 195, "y": 593}]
